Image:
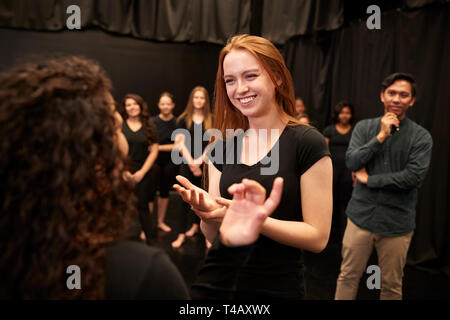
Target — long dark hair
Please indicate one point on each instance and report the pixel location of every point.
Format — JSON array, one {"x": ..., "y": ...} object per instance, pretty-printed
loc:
[
  {"x": 144, "y": 116},
  {"x": 62, "y": 196}
]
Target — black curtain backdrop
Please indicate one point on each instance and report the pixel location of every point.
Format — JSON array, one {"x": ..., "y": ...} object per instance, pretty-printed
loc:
[
  {"x": 350, "y": 63},
  {"x": 331, "y": 57},
  {"x": 162, "y": 20},
  {"x": 283, "y": 19},
  {"x": 135, "y": 66}
]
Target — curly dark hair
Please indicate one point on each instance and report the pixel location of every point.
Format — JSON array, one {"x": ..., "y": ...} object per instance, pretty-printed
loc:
[
  {"x": 63, "y": 199},
  {"x": 148, "y": 125}
]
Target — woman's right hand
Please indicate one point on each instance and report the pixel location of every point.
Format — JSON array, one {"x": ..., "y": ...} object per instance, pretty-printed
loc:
[
  {"x": 198, "y": 198},
  {"x": 215, "y": 216}
]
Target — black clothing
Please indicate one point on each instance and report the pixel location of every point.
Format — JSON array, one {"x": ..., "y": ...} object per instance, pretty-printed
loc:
[
  {"x": 196, "y": 145},
  {"x": 194, "y": 141},
  {"x": 386, "y": 205},
  {"x": 165, "y": 130},
  {"x": 342, "y": 180},
  {"x": 138, "y": 146},
  {"x": 267, "y": 269},
  {"x": 187, "y": 217},
  {"x": 136, "y": 271},
  {"x": 144, "y": 190},
  {"x": 164, "y": 178},
  {"x": 164, "y": 169}
]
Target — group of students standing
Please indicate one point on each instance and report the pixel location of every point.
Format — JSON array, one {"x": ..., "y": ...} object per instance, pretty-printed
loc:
[
  {"x": 66, "y": 143},
  {"x": 151, "y": 142}
]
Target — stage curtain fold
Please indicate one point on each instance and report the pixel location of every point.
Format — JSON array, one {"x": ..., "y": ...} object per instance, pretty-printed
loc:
[
  {"x": 284, "y": 19},
  {"x": 212, "y": 21}
]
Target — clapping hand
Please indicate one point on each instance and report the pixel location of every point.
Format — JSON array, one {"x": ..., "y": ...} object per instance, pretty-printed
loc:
[
  {"x": 198, "y": 198},
  {"x": 248, "y": 210}
]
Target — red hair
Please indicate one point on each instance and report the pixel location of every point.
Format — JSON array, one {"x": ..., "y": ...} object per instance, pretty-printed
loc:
[{"x": 226, "y": 116}]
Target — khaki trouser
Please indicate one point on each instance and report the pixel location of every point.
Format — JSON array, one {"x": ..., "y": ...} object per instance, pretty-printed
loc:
[{"x": 357, "y": 247}]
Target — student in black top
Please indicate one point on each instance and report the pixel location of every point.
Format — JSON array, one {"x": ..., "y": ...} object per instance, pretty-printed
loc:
[
  {"x": 254, "y": 90},
  {"x": 143, "y": 150},
  {"x": 338, "y": 137},
  {"x": 195, "y": 120},
  {"x": 165, "y": 169}
]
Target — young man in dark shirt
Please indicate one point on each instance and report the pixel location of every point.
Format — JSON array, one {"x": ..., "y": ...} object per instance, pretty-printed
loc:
[{"x": 390, "y": 156}]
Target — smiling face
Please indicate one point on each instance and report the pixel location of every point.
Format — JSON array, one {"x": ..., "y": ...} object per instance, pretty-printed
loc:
[
  {"x": 132, "y": 108},
  {"x": 397, "y": 98},
  {"x": 199, "y": 99},
  {"x": 248, "y": 85},
  {"x": 166, "y": 105}
]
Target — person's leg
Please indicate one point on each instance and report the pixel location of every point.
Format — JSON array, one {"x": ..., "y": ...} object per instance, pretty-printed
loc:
[
  {"x": 182, "y": 220},
  {"x": 162, "y": 209},
  {"x": 142, "y": 189},
  {"x": 357, "y": 247},
  {"x": 392, "y": 252},
  {"x": 167, "y": 173}
]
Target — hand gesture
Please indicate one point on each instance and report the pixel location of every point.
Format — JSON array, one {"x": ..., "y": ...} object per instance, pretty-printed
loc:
[
  {"x": 248, "y": 210},
  {"x": 216, "y": 215},
  {"x": 198, "y": 198},
  {"x": 127, "y": 176},
  {"x": 387, "y": 121},
  {"x": 138, "y": 176},
  {"x": 362, "y": 176}
]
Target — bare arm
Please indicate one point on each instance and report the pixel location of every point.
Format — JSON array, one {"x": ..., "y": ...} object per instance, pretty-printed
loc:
[
  {"x": 210, "y": 229},
  {"x": 169, "y": 147},
  {"x": 149, "y": 161},
  {"x": 317, "y": 204}
]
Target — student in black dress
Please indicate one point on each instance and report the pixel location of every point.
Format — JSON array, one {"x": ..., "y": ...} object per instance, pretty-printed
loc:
[
  {"x": 254, "y": 90},
  {"x": 196, "y": 119},
  {"x": 338, "y": 137},
  {"x": 141, "y": 136},
  {"x": 165, "y": 169}
]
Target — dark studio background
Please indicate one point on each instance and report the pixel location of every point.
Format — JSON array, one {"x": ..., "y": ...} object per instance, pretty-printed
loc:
[{"x": 148, "y": 47}]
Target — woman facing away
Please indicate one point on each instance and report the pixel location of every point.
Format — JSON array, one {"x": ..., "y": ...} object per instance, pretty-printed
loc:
[
  {"x": 64, "y": 202},
  {"x": 195, "y": 120},
  {"x": 254, "y": 92},
  {"x": 141, "y": 136},
  {"x": 338, "y": 137}
]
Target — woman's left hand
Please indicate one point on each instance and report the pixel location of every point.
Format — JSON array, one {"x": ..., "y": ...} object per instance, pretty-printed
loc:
[{"x": 248, "y": 210}]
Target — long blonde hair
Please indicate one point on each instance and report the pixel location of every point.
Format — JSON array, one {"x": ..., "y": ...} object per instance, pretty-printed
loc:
[
  {"x": 189, "y": 111},
  {"x": 226, "y": 116}
]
